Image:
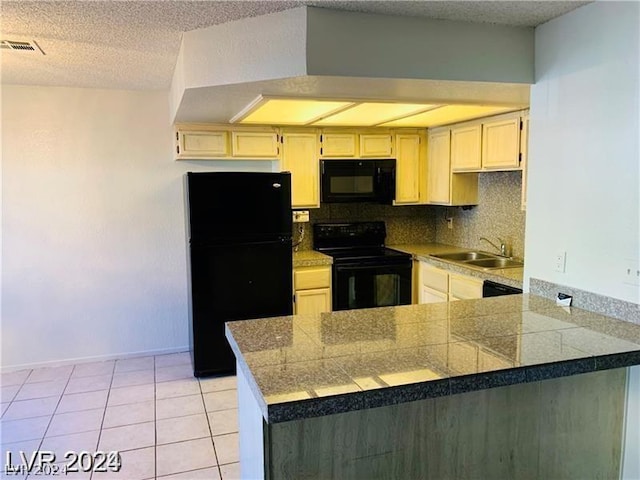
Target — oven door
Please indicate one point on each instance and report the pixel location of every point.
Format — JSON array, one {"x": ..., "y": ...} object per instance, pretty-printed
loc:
[{"x": 367, "y": 286}]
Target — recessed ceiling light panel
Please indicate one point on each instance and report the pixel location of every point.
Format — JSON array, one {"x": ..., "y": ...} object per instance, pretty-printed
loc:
[
  {"x": 372, "y": 113},
  {"x": 284, "y": 111},
  {"x": 447, "y": 114}
]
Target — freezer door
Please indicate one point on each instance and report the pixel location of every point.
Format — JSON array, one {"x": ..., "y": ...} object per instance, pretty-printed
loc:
[
  {"x": 235, "y": 282},
  {"x": 226, "y": 207}
]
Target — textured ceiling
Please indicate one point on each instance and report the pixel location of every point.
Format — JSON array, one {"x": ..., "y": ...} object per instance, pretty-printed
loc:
[{"x": 134, "y": 44}]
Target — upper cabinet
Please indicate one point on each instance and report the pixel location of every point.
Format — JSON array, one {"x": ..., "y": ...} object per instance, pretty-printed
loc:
[
  {"x": 354, "y": 144},
  {"x": 439, "y": 171},
  {"x": 300, "y": 157},
  {"x": 501, "y": 144},
  {"x": 338, "y": 144},
  {"x": 250, "y": 144},
  {"x": 466, "y": 145},
  {"x": 376, "y": 145},
  {"x": 524, "y": 152},
  {"x": 411, "y": 169},
  {"x": 211, "y": 142},
  {"x": 201, "y": 144},
  {"x": 487, "y": 144},
  {"x": 443, "y": 186}
]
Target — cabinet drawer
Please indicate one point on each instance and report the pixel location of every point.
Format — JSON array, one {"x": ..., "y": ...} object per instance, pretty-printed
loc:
[
  {"x": 311, "y": 277},
  {"x": 462, "y": 287},
  {"x": 433, "y": 277}
]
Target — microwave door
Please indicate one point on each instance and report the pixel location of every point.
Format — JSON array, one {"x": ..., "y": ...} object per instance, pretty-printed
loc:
[{"x": 349, "y": 181}]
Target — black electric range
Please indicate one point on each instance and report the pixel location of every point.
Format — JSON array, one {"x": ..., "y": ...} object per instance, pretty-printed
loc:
[{"x": 365, "y": 273}]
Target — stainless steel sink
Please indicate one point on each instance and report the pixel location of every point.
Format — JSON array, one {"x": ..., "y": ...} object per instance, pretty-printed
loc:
[
  {"x": 496, "y": 262},
  {"x": 479, "y": 260},
  {"x": 463, "y": 256}
]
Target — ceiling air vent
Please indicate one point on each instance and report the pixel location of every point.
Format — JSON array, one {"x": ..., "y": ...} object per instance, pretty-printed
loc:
[{"x": 31, "y": 46}]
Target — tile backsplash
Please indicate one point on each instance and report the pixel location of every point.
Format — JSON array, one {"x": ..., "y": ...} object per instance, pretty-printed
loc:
[
  {"x": 498, "y": 214},
  {"x": 410, "y": 224}
]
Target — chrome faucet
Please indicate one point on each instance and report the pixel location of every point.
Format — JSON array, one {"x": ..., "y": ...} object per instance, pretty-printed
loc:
[{"x": 502, "y": 247}]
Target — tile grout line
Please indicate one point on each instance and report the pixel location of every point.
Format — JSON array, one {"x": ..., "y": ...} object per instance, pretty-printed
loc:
[
  {"x": 104, "y": 413},
  {"x": 54, "y": 410},
  {"x": 206, "y": 415}
]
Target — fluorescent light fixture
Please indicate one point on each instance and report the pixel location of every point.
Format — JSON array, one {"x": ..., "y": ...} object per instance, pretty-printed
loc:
[
  {"x": 447, "y": 114},
  {"x": 372, "y": 113},
  {"x": 287, "y": 111}
]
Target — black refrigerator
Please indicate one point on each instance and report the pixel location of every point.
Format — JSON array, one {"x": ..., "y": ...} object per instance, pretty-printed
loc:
[{"x": 239, "y": 228}]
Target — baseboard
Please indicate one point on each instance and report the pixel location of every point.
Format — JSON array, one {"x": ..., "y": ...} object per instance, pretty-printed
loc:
[{"x": 98, "y": 358}]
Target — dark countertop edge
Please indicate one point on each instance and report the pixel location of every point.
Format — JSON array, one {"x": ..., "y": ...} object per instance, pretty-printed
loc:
[{"x": 317, "y": 407}]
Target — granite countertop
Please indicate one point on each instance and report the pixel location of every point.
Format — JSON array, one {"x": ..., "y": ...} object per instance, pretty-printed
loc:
[
  {"x": 310, "y": 258},
  {"x": 422, "y": 251},
  {"x": 312, "y": 365}
]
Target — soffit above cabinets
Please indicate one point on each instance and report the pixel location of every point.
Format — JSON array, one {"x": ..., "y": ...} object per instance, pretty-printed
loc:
[{"x": 266, "y": 110}]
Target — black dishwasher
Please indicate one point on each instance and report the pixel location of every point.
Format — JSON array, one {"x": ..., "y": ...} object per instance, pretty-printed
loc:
[{"x": 493, "y": 289}]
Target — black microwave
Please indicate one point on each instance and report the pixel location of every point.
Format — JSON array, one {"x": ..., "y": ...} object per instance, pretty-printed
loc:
[{"x": 363, "y": 180}]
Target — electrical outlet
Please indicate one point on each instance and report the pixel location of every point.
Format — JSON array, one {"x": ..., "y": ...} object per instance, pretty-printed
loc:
[
  {"x": 450, "y": 223},
  {"x": 560, "y": 261},
  {"x": 300, "y": 216},
  {"x": 631, "y": 273}
]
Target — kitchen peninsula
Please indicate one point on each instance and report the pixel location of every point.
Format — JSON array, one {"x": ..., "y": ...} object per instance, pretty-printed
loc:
[{"x": 505, "y": 387}]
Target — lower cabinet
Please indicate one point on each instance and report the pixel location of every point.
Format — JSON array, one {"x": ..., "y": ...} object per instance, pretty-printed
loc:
[
  {"x": 312, "y": 286},
  {"x": 438, "y": 285}
]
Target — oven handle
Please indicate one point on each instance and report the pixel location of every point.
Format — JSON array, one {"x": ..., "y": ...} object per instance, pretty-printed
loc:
[{"x": 372, "y": 266}]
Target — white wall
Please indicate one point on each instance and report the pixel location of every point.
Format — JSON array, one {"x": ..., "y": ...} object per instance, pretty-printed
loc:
[
  {"x": 583, "y": 190},
  {"x": 94, "y": 256}
]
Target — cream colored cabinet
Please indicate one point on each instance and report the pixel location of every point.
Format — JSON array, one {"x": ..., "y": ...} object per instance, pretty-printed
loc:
[
  {"x": 411, "y": 182},
  {"x": 464, "y": 287},
  {"x": 501, "y": 144},
  {"x": 250, "y": 144},
  {"x": 211, "y": 142},
  {"x": 439, "y": 285},
  {"x": 466, "y": 145},
  {"x": 312, "y": 287},
  {"x": 433, "y": 283},
  {"x": 195, "y": 144},
  {"x": 439, "y": 170},
  {"x": 443, "y": 186},
  {"x": 338, "y": 144},
  {"x": 524, "y": 160},
  {"x": 376, "y": 145},
  {"x": 300, "y": 157}
]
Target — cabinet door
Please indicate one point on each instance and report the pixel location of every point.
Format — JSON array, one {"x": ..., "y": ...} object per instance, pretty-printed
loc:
[
  {"x": 466, "y": 148},
  {"x": 524, "y": 160},
  {"x": 313, "y": 301},
  {"x": 428, "y": 295},
  {"x": 434, "y": 278},
  {"x": 439, "y": 172},
  {"x": 299, "y": 156},
  {"x": 338, "y": 144},
  {"x": 463, "y": 287},
  {"x": 254, "y": 144},
  {"x": 407, "y": 168},
  {"x": 201, "y": 144},
  {"x": 501, "y": 144},
  {"x": 375, "y": 145}
]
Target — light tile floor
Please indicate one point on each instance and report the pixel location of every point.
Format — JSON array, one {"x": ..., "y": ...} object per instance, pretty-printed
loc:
[{"x": 165, "y": 423}]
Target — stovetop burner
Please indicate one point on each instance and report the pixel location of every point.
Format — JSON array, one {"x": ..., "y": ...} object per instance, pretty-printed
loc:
[{"x": 355, "y": 242}]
